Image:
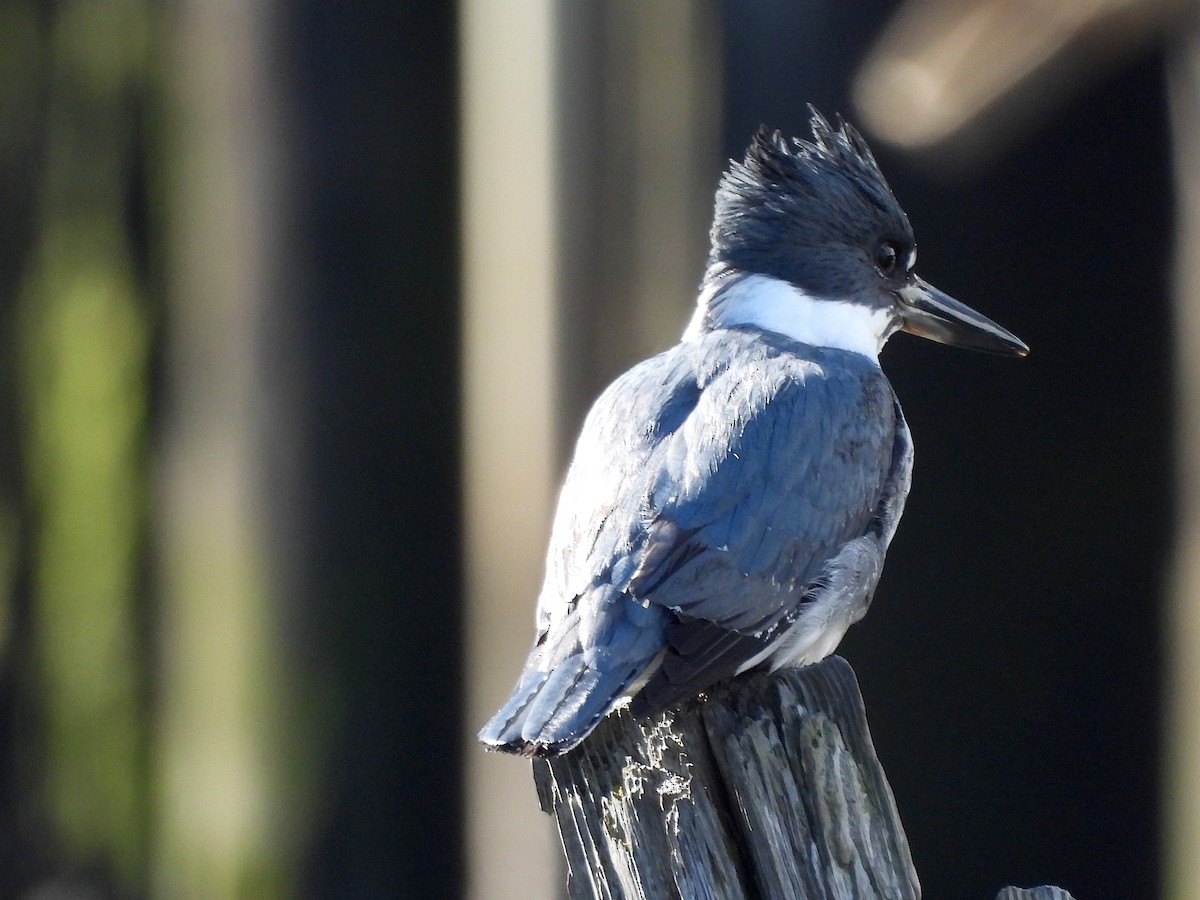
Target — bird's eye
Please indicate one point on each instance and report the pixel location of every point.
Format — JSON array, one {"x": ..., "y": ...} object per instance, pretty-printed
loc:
[{"x": 886, "y": 258}]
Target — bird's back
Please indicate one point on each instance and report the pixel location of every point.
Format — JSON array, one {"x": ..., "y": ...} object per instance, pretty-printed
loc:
[{"x": 709, "y": 490}]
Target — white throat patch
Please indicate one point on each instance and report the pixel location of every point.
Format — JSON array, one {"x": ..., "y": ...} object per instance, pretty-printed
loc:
[{"x": 774, "y": 305}]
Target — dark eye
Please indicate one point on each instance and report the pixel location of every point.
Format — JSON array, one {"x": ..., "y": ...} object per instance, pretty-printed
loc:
[{"x": 886, "y": 258}]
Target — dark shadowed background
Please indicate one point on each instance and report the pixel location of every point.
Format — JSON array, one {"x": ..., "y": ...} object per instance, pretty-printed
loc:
[{"x": 303, "y": 305}]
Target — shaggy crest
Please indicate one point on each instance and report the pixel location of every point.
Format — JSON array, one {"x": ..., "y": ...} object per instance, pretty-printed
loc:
[{"x": 791, "y": 193}]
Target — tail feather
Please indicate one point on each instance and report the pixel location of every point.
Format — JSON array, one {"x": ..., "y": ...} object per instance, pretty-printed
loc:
[
  {"x": 578, "y": 671},
  {"x": 552, "y": 712},
  {"x": 503, "y": 730}
]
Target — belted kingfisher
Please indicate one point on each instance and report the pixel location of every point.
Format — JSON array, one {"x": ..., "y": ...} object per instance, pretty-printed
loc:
[{"x": 731, "y": 500}]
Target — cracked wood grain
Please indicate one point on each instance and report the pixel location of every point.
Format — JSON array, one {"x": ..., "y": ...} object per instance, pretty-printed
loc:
[{"x": 767, "y": 788}]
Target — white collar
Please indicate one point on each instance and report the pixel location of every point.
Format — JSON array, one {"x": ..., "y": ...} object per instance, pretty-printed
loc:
[{"x": 776, "y": 305}]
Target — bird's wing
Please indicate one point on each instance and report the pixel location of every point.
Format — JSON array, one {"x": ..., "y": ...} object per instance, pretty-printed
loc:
[
  {"x": 593, "y": 639},
  {"x": 709, "y": 486},
  {"x": 781, "y": 464}
]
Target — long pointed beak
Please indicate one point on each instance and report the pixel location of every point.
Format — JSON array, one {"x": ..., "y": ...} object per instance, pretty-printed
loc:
[{"x": 927, "y": 312}]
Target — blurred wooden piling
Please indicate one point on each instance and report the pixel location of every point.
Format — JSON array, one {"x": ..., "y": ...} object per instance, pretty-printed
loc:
[{"x": 768, "y": 789}]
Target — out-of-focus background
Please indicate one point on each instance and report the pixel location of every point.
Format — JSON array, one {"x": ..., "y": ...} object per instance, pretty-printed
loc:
[{"x": 301, "y": 305}]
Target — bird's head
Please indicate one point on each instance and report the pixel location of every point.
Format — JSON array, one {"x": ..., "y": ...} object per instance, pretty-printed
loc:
[{"x": 810, "y": 229}]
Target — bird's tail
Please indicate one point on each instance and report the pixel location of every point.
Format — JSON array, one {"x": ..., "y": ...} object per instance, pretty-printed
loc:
[{"x": 550, "y": 712}]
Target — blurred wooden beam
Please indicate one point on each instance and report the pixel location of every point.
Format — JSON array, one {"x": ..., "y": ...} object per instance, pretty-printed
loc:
[
  {"x": 639, "y": 118},
  {"x": 1181, "y": 786},
  {"x": 957, "y": 77},
  {"x": 510, "y": 249},
  {"x": 230, "y": 799}
]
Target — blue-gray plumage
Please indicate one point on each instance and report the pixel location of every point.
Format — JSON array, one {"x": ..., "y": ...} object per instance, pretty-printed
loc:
[{"x": 731, "y": 500}]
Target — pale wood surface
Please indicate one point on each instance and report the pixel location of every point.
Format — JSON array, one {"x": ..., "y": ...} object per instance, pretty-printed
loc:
[{"x": 768, "y": 788}]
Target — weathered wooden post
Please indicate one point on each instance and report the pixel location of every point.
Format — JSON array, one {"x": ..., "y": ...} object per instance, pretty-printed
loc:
[{"x": 769, "y": 788}]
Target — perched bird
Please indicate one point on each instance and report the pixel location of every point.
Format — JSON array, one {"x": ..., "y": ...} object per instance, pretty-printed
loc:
[{"x": 731, "y": 500}]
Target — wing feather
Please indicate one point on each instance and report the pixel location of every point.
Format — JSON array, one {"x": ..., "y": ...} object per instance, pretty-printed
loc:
[
  {"x": 796, "y": 469},
  {"x": 710, "y": 487}
]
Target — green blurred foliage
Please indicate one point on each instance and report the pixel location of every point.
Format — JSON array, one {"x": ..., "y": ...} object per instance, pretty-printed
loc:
[
  {"x": 162, "y": 725},
  {"x": 83, "y": 341},
  {"x": 84, "y": 348}
]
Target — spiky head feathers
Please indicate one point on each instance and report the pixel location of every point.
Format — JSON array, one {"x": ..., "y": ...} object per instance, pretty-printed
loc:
[{"x": 796, "y": 209}]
